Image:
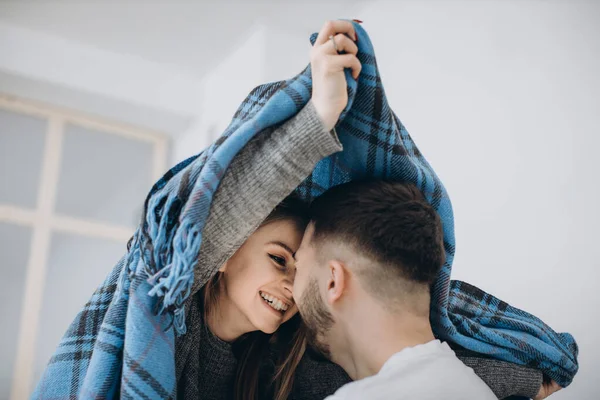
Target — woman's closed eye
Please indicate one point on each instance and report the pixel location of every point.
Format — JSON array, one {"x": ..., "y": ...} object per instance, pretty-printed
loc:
[{"x": 279, "y": 260}]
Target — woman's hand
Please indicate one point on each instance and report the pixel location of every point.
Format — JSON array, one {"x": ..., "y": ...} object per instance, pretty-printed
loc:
[
  {"x": 548, "y": 388},
  {"x": 329, "y": 95}
]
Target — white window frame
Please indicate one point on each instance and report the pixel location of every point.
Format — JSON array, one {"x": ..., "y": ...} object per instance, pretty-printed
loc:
[{"x": 44, "y": 220}]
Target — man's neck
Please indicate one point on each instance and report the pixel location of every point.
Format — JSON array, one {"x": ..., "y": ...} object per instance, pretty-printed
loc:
[{"x": 366, "y": 346}]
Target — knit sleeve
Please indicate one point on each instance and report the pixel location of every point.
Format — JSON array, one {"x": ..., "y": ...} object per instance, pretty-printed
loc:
[
  {"x": 267, "y": 170},
  {"x": 504, "y": 378}
]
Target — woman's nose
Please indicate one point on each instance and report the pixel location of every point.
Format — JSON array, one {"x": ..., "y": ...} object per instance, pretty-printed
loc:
[{"x": 288, "y": 282}]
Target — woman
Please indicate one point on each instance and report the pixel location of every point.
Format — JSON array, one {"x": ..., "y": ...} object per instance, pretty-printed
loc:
[
  {"x": 248, "y": 348},
  {"x": 246, "y": 310}
]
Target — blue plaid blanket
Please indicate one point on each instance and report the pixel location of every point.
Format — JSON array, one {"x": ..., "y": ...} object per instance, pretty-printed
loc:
[{"x": 122, "y": 342}]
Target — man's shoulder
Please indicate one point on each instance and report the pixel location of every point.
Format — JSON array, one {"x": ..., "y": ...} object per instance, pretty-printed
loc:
[{"x": 429, "y": 372}]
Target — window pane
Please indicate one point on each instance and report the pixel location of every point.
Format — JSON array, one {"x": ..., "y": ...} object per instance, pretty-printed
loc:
[
  {"x": 21, "y": 149},
  {"x": 103, "y": 176},
  {"x": 77, "y": 265},
  {"x": 14, "y": 255}
]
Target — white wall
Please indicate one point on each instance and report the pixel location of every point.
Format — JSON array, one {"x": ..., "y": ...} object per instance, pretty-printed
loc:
[
  {"x": 502, "y": 98},
  {"x": 223, "y": 90},
  {"x": 123, "y": 77}
]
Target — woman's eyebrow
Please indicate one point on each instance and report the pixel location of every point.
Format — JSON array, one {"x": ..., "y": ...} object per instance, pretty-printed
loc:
[{"x": 285, "y": 246}]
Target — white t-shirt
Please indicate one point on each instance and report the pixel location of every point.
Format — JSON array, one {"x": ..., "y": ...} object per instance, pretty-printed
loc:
[{"x": 424, "y": 372}]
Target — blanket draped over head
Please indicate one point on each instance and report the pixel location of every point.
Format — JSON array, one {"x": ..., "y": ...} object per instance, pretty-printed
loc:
[{"x": 122, "y": 342}]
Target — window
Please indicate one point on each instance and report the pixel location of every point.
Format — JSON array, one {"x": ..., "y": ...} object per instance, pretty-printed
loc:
[{"x": 72, "y": 189}]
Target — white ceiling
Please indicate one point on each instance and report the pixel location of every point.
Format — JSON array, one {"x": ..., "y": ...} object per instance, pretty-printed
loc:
[
  {"x": 188, "y": 36},
  {"x": 109, "y": 50}
]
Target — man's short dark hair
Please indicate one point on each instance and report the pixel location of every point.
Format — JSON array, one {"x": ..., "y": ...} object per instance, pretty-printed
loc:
[{"x": 390, "y": 223}]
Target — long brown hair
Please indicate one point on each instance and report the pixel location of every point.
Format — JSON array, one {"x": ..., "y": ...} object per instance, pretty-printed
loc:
[{"x": 259, "y": 370}]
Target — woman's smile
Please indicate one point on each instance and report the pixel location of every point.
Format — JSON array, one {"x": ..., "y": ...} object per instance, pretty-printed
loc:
[{"x": 274, "y": 303}]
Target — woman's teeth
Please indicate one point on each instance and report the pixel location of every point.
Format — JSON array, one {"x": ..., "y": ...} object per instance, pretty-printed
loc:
[{"x": 274, "y": 302}]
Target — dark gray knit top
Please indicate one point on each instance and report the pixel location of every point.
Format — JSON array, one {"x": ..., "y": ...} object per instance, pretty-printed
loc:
[{"x": 217, "y": 367}]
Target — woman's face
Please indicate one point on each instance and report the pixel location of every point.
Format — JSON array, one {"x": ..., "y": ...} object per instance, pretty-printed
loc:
[{"x": 259, "y": 277}]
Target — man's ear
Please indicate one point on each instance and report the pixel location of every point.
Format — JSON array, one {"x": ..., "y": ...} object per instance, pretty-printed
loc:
[{"x": 336, "y": 281}]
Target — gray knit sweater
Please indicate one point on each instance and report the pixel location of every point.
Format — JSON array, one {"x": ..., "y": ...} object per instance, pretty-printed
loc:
[{"x": 269, "y": 168}]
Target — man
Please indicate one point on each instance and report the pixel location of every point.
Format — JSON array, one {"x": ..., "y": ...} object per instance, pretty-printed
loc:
[{"x": 363, "y": 276}]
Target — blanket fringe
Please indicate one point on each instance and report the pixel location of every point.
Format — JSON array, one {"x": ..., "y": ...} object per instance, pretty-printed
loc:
[{"x": 170, "y": 251}]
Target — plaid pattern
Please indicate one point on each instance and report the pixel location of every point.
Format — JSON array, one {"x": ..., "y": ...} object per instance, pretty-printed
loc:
[{"x": 122, "y": 342}]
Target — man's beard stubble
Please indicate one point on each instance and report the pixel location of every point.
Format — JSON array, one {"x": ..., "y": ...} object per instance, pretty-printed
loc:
[{"x": 317, "y": 319}]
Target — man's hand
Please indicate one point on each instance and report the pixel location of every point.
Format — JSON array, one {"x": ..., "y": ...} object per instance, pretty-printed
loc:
[{"x": 547, "y": 389}]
